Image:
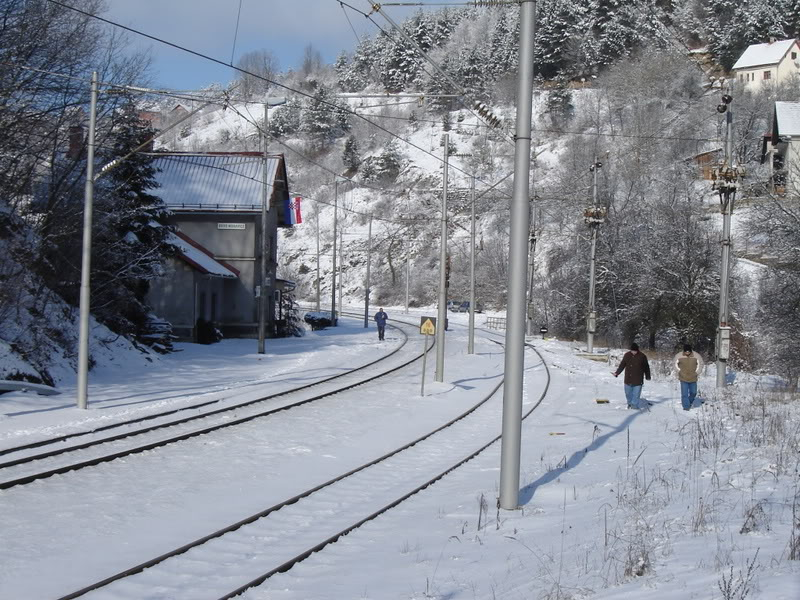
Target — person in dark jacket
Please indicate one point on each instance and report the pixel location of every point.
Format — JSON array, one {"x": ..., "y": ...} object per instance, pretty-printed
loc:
[
  {"x": 637, "y": 369},
  {"x": 380, "y": 319}
]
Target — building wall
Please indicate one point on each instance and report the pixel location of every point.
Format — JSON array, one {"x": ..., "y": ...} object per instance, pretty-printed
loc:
[
  {"x": 753, "y": 79},
  {"x": 172, "y": 297},
  {"x": 234, "y": 300},
  {"x": 789, "y": 66},
  {"x": 793, "y": 164}
]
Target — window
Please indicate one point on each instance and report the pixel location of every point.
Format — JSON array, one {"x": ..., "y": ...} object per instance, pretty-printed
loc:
[
  {"x": 767, "y": 75},
  {"x": 794, "y": 55}
]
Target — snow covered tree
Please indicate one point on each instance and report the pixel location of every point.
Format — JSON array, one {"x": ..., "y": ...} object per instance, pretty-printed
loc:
[
  {"x": 131, "y": 228},
  {"x": 323, "y": 118},
  {"x": 285, "y": 120},
  {"x": 732, "y": 25},
  {"x": 351, "y": 158}
]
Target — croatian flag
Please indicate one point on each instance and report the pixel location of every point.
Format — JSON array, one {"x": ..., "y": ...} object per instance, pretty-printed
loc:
[{"x": 295, "y": 218}]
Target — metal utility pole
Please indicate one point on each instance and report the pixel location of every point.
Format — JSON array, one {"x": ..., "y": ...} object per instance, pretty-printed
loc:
[
  {"x": 86, "y": 255},
  {"x": 531, "y": 254},
  {"x": 333, "y": 270},
  {"x": 262, "y": 294},
  {"x": 725, "y": 182},
  {"x": 471, "y": 339},
  {"x": 341, "y": 269},
  {"x": 442, "y": 313},
  {"x": 593, "y": 217},
  {"x": 265, "y": 250},
  {"x": 518, "y": 258},
  {"x": 367, "y": 279},
  {"x": 318, "y": 282},
  {"x": 408, "y": 270}
]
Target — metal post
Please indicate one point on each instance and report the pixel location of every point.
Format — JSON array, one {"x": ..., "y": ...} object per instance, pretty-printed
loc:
[
  {"x": 262, "y": 296},
  {"x": 442, "y": 313},
  {"x": 265, "y": 207},
  {"x": 341, "y": 267},
  {"x": 471, "y": 338},
  {"x": 367, "y": 279},
  {"x": 318, "y": 282},
  {"x": 590, "y": 318},
  {"x": 590, "y": 321},
  {"x": 86, "y": 256},
  {"x": 727, "y": 212},
  {"x": 518, "y": 258},
  {"x": 333, "y": 270},
  {"x": 424, "y": 363},
  {"x": 531, "y": 271},
  {"x": 408, "y": 270}
]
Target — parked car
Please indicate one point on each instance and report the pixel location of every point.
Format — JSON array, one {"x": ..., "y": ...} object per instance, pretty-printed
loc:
[
  {"x": 464, "y": 307},
  {"x": 453, "y": 305}
]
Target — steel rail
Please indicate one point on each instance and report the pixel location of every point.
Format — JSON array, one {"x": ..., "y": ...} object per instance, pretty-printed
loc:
[
  {"x": 63, "y": 438},
  {"x": 294, "y": 499},
  {"x": 195, "y": 433}
]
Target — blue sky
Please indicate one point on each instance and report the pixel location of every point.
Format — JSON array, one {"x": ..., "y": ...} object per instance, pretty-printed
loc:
[{"x": 284, "y": 27}]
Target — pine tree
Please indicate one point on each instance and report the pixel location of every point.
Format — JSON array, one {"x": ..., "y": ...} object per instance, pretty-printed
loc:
[
  {"x": 322, "y": 118},
  {"x": 130, "y": 233},
  {"x": 351, "y": 158}
]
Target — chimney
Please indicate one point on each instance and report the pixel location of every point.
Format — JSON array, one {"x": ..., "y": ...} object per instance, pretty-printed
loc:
[{"x": 75, "y": 142}]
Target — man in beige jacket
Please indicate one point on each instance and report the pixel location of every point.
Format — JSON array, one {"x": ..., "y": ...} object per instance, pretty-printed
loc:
[{"x": 688, "y": 365}]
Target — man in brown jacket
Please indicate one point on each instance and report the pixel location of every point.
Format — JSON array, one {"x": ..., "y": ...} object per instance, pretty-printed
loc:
[
  {"x": 637, "y": 369},
  {"x": 688, "y": 365}
]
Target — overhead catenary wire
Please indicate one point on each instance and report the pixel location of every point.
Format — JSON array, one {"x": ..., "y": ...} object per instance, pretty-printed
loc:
[
  {"x": 298, "y": 92},
  {"x": 246, "y": 72}
]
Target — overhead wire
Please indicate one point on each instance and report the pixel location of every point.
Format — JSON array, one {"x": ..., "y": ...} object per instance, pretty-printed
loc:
[
  {"x": 442, "y": 73},
  {"x": 273, "y": 82}
]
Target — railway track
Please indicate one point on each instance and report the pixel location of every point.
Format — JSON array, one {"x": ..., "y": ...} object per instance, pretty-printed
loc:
[
  {"x": 285, "y": 533},
  {"x": 43, "y": 459}
]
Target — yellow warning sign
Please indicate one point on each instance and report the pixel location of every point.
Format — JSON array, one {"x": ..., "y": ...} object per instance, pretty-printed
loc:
[{"x": 427, "y": 325}]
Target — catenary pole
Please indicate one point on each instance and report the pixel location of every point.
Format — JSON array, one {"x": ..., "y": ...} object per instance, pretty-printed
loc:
[
  {"x": 333, "y": 269},
  {"x": 518, "y": 258},
  {"x": 86, "y": 255},
  {"x": 265, "y": 208},
  {"x": 408, "y": 270},
  {"x": 367, "y": 279},
  {"x": 341, "y": 266},
  {"x": 727, "y": 195},
  {"x": 471, "y": 339},
  {"x": 262, "y": 296},
  {"x": 590, "y": 318},
  {"x": 442, "y": 312},
  {"x": 318, "y": 282}
]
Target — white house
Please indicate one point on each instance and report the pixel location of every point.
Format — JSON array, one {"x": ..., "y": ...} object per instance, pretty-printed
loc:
[
  {"x": 768, "y": 64},
  {"x": 786, "y": 146}
]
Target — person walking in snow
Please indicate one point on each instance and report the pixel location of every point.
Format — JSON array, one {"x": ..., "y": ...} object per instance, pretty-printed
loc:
[
  {"x": 381, "y": 318},
  {"x": 688, "y": 365},
  {"x": 637, "y": 369}
]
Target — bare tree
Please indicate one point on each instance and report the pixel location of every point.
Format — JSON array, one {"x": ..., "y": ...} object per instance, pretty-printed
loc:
[
  {"x": 312, "y": 61},
  {"x": 261, "y": 68}
]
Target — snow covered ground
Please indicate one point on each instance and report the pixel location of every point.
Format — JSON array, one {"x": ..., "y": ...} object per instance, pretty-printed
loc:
[{"x": 615, "y": 504}]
